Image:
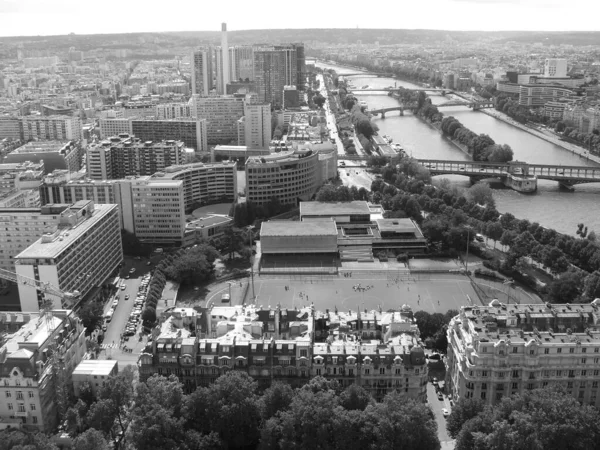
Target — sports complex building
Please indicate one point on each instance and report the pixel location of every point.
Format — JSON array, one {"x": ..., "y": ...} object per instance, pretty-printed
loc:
[{"x": 331, "y": 232}]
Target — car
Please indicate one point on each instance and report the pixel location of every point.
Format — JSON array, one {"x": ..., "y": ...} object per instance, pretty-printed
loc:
[
  {"x": 561, "y": 172},
  {"x": 445, "y": 412},
  {"x": 482, "y": 170},
  {"x": 461, "y": 168},
  {"x": 132, "y": 270},
  {"x": 149, "y": 263},
  {"x": 127, "y": 277},
  {"x": 127, "y": 297},
  {"x": 479, "y": 237},
  {"x": 138, "y": 258},
  {"x": 123, "y": 287},
  {"x": 104, "y": 327},
  {"x": 440, "y": 396},
  {"x": 115, "y": 303},
  {"x": 225, "y": 298}
]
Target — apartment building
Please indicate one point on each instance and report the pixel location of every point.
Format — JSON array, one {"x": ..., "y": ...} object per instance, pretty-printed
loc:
[
  {"x": 10, "y": 128},
  {"x": 50, "y": 128},
  {"x": 54, "y": 154},
  {"x": 26, "y": 175},
  {"x": 31, "y": 383},
  {"x": 192, "y": 132},
  {"x": 536, "y": 95},
  {"x": 203, "y": 183},
  {"x": 221, "y": 114},
  {"x": 273, "y": 69},
  {"x": 159, "y": 219},
  {"x": 585, "y": 118},
  {"x": 291, "y": 176},
  {"x": 202, "y": 71},
  {"x": 21, "y": 227},
  {"x": 500, "y": 350},
  {"x": 77, "y": 255},
  {"x": 381, "y": 352},
  {"x": 126, "y": 155},
  {"x": 256, "y": 125},
  {"x": 173, "y": 111},
  {"x": 19, "y": 198},
  {"x": 93, "y": 373}
]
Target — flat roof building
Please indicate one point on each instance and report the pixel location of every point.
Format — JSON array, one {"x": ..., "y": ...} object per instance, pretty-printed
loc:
[
  {"x": 290, "y": 237},
  {"x": 54, "y": 154},
  {"x": 93, "y": 373},
  {"x": 78, "y": 254},
  {"x": 221, "y": 113}
]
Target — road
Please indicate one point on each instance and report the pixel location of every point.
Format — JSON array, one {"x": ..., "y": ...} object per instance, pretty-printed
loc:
[
  {"x": 436, "y": 406},
  {"x": 356, "y": 177}
]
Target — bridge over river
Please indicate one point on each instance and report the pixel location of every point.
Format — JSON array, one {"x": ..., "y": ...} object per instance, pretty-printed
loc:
[
  {"x": 519, "y": 176},
  {"x": 474, "y": 104}
]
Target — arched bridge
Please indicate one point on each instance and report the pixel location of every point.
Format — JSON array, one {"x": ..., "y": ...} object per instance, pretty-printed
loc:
[
  {"x": 475, "y": 105},
  {"x": 517, "y": 175}
]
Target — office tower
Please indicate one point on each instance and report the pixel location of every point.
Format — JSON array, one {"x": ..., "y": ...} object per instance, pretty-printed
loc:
[
  {"x": 221, "y": 114},
  {"x": 202, "y": 71},
  {"x": 555, "y": 68},
  {"x": 219, "y": 75},
  {"x": 124, "y": 155},
  {"x": 78, "y": 254},
  {"x": 300, "y": 66},
  {"x": 32, "y": 384},
  {"x": 224, "y": 58},
  {"x": 276, "y": 67},
  {"x": 242, "y": 62},
  {"x": 257, "y": 125}
]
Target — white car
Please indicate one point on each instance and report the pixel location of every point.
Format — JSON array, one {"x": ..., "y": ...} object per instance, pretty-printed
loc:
[
  {"x": 445, "y": 412},
  {"x": 115, "y": 303},
  {"x": 123, "y": 287}
]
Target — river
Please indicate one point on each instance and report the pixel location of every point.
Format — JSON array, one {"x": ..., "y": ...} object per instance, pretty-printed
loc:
[{"x": 550, "y": 206}]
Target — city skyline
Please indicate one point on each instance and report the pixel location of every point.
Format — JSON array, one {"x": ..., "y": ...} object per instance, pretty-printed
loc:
[{"x": 34, "y": 17}]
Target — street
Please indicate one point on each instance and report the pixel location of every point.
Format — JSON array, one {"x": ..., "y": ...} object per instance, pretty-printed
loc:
[{"x": 436, "y": 407}]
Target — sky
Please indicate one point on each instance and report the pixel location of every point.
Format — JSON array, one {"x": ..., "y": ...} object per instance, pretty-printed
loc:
[{"x": 49, "y": 17}]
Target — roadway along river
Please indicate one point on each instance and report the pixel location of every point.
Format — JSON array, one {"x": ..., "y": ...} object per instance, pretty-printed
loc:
[{"x": 550, "y": 206}]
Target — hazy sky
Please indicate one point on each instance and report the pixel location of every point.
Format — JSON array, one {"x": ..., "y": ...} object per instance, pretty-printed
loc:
[{"x": 42, "y": 17}]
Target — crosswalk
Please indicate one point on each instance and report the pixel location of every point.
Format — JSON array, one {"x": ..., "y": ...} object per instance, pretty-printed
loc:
[{"x": 107, "y": 346}]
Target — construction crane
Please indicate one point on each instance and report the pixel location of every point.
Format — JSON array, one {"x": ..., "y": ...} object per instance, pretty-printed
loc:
[
  {"x": 67, "y": 299},
  {"x": 46, "y": 306}
]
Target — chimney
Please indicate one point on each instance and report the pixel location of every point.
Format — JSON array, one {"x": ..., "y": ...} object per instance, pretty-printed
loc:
[{"x": 225, "y": 56}]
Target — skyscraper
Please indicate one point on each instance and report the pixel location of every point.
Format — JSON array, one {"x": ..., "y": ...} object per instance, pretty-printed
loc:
[
  {"x": 202, "y": 71},
  {"x": 257, "y": 125},
  {"x": 225, "y": 57},
  {"x": 271, "y": 74}
]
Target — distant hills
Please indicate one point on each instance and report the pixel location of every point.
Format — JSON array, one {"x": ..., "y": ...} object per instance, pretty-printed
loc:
[{"x": 332, "y": 35}]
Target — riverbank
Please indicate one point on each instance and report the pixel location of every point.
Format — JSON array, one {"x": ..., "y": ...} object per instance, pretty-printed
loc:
[
  {"x": 550, "y": 137},
  {"x": 463, "y": 148}
]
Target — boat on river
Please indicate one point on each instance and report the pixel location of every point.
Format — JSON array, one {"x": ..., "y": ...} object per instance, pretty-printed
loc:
[{"x": 366, "y": 86}]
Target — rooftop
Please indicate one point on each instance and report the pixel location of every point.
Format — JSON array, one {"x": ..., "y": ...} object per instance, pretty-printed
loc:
[
  {"x": 95, "y": 367},
  {"x": 50, "y": 246},
  {"x": 327, "y": 209},
  {"x": 293, "y": 228}
]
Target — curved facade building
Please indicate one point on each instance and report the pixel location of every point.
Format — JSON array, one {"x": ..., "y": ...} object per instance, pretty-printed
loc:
[{"x": 291, "y": 176}]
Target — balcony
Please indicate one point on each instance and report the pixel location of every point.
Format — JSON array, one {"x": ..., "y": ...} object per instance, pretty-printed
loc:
[{"x": 21, "y": 413}]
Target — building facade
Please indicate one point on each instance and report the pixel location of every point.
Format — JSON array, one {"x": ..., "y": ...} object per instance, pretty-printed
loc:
[
  {"x": 125, "y": 155},
  {"x": 54, "y": 154},
  {"x": 78, "y": 254},
  {"x": 500, "y": 350},
  {"x": 221, "y": 114},
  {"x": 202, "y": 71},
  {"x": 50, "y": 128},
  {"x": 537, "y": 95},
  {"x": 28, "y": 377},
  {"x": 257, "y": 125},
  {"x": 203, "y": 183}
]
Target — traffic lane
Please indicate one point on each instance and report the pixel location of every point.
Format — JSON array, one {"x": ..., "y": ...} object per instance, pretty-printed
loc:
[
  {"x": 123, "y": 310},
  {"x": 437, "y": 406}
]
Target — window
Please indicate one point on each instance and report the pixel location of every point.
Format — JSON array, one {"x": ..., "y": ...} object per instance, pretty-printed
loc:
[
  {"x": 318, "y": 371},
  {"x": 10, "y": 406},
  {"x": 545, "y": 384},
  {"x": 559, "y": 373},
  {"x": 32, "y": 406},
  {"x": 594, "y": 384},
  {"x": 31, "y": 394},
  {"x": 498, "y": 396},
  {"x": 584, "y": 350},
  {"x": 500, "y": 374},
  {"x": 483, "y": 386},
  {"x": 515, "y": 349},
  {"x": 596, "y": 373},
  {"x": 571, "y": 350},
  {"x": 483, "y": 394},
  {"x": 21, "y": 407},
  {"x": 583, "y": 360},
  {"x": 584, "y": 373},
  {"x": 382, "y": 371},
  {"x": 398, "y": 371},
  {"x": 367, "y": 371},
  {"x": 596, "y": 350},
  {"x": 8, "y": 394},
  {"x": 515, "y": 374},
  {"x": 515, "y": 385},
  {"x": 501, "y": 352},
  {"x": 570, "y": 385},
  {"x": 559, "y": 350},
  {"x": 351, "y": 372},
  {"x": 571, "y": 374},
  {"x": 34, "y": 419},
  {"x": 546, "y": 351},
  {"x": 530, "y": 386},
  {"x": 19, "y": 395},
  {"x": 484, "y": 373},
  {"x": 531, "y": 376}
]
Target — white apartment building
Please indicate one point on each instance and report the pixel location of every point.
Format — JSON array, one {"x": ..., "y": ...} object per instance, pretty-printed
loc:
[
  {"x": 257, "y": 125},
  {"x": 173, "y": 110},
  {"x": 28, "y": 380},
  {"x": 57, "y": 128},
  {"x": 114, "y": 127},
  {"x": 19, "y": 198},
  {"x": 78, "y": 254},
  {"x": 126, "y": 155},
  {"x": 500, "y": 350},
  {"x": 21, "y": 227},
  {"x": 221, "y": 114},
  {"x": 204, "y": 183},
  {"x": 159, "y": 210}
]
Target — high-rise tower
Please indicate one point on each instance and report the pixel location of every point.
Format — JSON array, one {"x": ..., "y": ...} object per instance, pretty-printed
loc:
[
  {"x": 224, "y": 55},
  {"x": 202, "y": 71}
]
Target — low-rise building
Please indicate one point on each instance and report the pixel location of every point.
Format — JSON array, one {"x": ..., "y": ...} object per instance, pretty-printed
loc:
[
  {"x": 505, "y": 349},
  {"x": 54, "y": 154},
  {"x": 93, "y": 373}
]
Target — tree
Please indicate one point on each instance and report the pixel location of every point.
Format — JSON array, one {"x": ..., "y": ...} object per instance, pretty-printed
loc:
[
  {"x": 481, "y": 194},
  {"x": 566, "y": 288},
  {"x": 500, "y": 153},
  {"x": 462, "y": 411},
  {"x": 548, "y": 419},
  {"x": 366, "y": 128},
  {"x": 276, "y": 398},
  {"x": 319, "y": 100},
  {"x": 91, "y": 439},
  {"x": 91, "y": 315},
  {"x": 19, "y": 439},
  {"x": 560, "y": 126},
  {"x": 494, "y": 231},
  {"x": 355, "y": 397},
  {"x": 132, "y": 246},
  {"x": 591, "y": 286}
]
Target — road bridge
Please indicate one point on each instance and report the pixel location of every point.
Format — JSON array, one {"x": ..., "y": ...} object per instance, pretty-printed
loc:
[
  {"x": 517, "y": 175},
  {"x": 475, "y": 105},
  {"x": 367, "y": 74}
]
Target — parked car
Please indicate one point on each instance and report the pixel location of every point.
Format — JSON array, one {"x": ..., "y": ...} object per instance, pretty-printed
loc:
[
  {"x": 132, "y": 270},
  {"x": 440, "y": 396},
  {"x": 445, "y": 412},
  {"x": 123, "y": 287},
  {"x": 126, "y": 297},
  {"x": 115, "y": 303}
]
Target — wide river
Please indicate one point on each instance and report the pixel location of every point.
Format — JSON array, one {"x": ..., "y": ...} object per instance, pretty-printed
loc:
[{"x": 550, "y": 206}]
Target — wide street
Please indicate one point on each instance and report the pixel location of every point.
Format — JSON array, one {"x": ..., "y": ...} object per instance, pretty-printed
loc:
[{"x": 437, "y": 406}]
